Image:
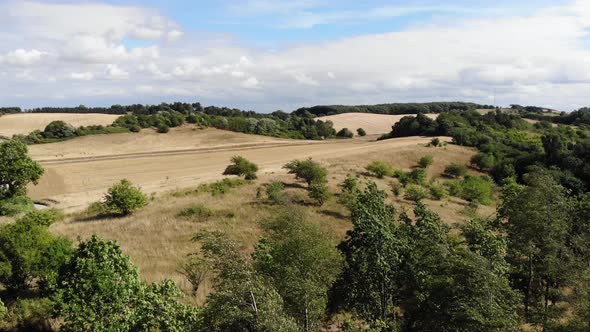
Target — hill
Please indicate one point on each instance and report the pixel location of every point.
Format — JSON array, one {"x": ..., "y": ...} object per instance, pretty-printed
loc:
[
  {"x": 24, "y": 123},
  {"x": 373, "y": 124}
]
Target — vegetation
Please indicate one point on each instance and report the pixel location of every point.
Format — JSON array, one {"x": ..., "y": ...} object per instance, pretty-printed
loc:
[
  {"x": 275, "y": 193},
  {"x": 380, "y": 169},
  {"x": 123, "y": 198},
  {"x": 241, "y": 166},
  {"x": 455, "y": 170},
  {"x": 17, "y": 169},
  {"x": 361, "y": 132},
  {"x": 396, "y": 108},
  {"x": 222, "y": 186},
  {"x": 344, "y": 133},
  {"x": 197, "y": 212},
  {"x": 415, "y": 193},
  {"x": 425, "y": 161},
  {"x": 307, "y": 170}
]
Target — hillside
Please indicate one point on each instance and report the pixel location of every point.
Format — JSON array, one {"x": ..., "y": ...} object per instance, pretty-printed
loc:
[
  {"x": 24, "y": 123},
  {"x": 373, "y": 124}
]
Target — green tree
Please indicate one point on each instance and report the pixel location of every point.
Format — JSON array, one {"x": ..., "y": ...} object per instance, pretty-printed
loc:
[
  {"x": 308, "y": 170},
  {"x": 344, "y": 133},
  {"x": 361, "y": 132},
  {"x": 123, "y": 198},
  {"x": 350, "y": 190},
  {"x": 241, "y": 166},
  {"x": 415, "y": 193},
  {"x": 59, "y": 130},
  {"x": 3, "y": 310},
  {"x": 455, "y": 170},
  {"x": 17, "y": 169},
  {"x": 379, "y": 169},
  {"x": 483, "y": 161},
  {"x": 426, "y": 161},
  {"x": 319, "y": 192},
  {"x": 275, "y": 193},
  {"x": 303, "y": 279},
  {"x": 29, "y": 254}
]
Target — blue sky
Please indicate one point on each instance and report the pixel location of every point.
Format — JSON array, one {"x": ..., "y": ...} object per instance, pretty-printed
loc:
[{"x": 267, "y": 55}]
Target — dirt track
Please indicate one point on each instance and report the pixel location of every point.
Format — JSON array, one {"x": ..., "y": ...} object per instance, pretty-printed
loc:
[{"x": 75, "y": 181}]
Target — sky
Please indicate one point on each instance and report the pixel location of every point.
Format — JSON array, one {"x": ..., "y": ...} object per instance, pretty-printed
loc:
[{"x": 266, "y": 55}]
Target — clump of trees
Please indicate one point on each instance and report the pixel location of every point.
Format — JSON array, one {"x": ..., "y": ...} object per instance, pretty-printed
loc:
[
  {"x": 241, "y": 166},
  {"x": 344, "y": 133},
  {"x": 314, "y": 175},
  {"x": 124, "y": 198}
]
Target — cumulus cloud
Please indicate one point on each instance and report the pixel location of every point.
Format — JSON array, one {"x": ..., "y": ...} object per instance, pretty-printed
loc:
[{"x": 538, "y": 58}]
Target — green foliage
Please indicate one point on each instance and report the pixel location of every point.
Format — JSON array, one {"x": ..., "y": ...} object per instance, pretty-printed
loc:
[
  {"x": 344, "y": 133},
  {"x": 17, "y": 169},
  {"x": 396, "y": 188},
  {"x": 59, "y": 130},
  {"x": 3, "y": 310},
  {"x": 275, "y": 193},
  {"x": 302, "y": 280},
  {"x": 31, "y": 314},
  {"x": 476, "y": 189},
  {"x": 350, "y": 190},
  {"x": 14, "y": 205},
  {"x": 163, "y": 128},
  {"x": 415, "y": 193},
  {"x": 483, "y": 161},
  {"x": 437, "y": 192},
  {"x": 197, "y": 212},
  {"x": 29, "y": 254},
  {"x": 222, "y": 187},
  {"x": 435, "y": 142},
  {"x": 241, "y": 166},
  {"x": 319, "y": 192},
  {"x": 308, "y": 170},
  {"x": 380, "y": 169},
  {"x": 361, "y": 132},
  {"x": 455, "y": 170},
  {"x": 425, "y": 161},
  {"x": 99, "y": 289},
  {"x": 123, "y": 198}
]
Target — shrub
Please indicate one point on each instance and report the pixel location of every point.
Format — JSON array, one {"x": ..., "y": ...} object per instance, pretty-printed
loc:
[
  {"x": 3, "y": 310},
  {"x": 415, "y": 193},
  {"x": 435, "y": 142},
  {"x": 222, "y": 187},
  {"x": 123, "y": 198},
  {"x": 396, "y": 188},
  {"x": 455, "y": 170},
  {"x": 241, "y": 166},
  {"x": 15, "y": 205},
  {"x": 361, "y": 132},
  {"x": 59, "y": 130},
  {"x": 380, "y": 169},
  {"x": 417, "y": 176},
  {"x": 163, "y": 128},
  {"x": 483, "y": 161},
  {"x": 477, "y": 189},
  {"x": 197, "y": 212},
  {"x": 308, "y": 170},
  {"x": 437, "y": 192},
  {"x": 31, "y": 314},
  {"x": 344, "y": 133},
  {"x": 318, "y": 191},
  {"x": 350, "y": 190},
  {"x": 425, "y": 161},
  {"x": 275, "y": 193},
  {"x": 96, "y": 208}
]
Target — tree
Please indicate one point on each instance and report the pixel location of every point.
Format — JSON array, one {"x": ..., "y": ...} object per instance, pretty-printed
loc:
[
  {"x": 163, "y": 128},
  {"x": 425, "y": 161},
  {"x": 123, "y": 198},
  {"x": 455, "y": 170},
  {"x": 29, "y": 254},
  {"x": 379, "y": 169},
  {"x": 483, "y": 161},
  {"x": 302, "y": 279},
  {"x": 361, "y": 132},
  {"x": 319, "y": 192},
  {"x": 415, "y": 193},
  {"x": 59, "y": 130},
  {"x": 3, "y": 310},
  {"x": 308, "y": 170},
  {"x": 17, "y": 169},
  {"x": 344, "y": 133},
  {"x": 241, "y": 166},
  {"x": 242, "y": 300}
]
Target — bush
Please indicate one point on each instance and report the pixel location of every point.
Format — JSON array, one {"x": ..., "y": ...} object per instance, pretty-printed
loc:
[
  {"x": 483, "y": 161},
  {"x": 425, "y": 161},
  {"x": 380, "y": 169},
  {"x": 437, "y": 192},
  {"x": 275, "y": 193},
  {"x": 417, "y": 176},
  {"x": 163, "y": 128},
  {"x": 361, "y": 132},
  {"x": 415, "y": 193},
  {"x": 396, "y": 188},
  {"x": 3, "y": 310},
  {"x": 435, "y": 142},
  {"x": 59, "y": 130},
  {"x": 222, "y": 187},
  {"x": 123, "y": 198},
  {"x": 31, "y": 314},
  {"x": 344, "y": 133},
  {"x": 308, "y": 170},
  {"x": 318, "y": 191},
  {"x": 242, "y": 167},
  {"x": 15, "y": 205},
  {"x": 455, "y": 170},
  {"x": 196, "y": 212},
  {"x": 350, "y": 190},
  {"x": 477, "y": 189}
]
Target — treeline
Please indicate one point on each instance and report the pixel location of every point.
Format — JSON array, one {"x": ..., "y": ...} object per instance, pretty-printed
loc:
[
  {"x": 9, "y": 110},
  {"x": 396, "y": 108}
]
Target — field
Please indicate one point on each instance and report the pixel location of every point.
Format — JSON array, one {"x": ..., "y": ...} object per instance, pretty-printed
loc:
[
  {"x": 172, "y": 165},
  {"x": 373, "y": 124},
  {"x": 25, "y": 123}
]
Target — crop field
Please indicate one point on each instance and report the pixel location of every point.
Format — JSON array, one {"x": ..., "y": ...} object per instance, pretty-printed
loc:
[
  {"x": 25, "y": 123},
  {"x": 373, "y": 124}
]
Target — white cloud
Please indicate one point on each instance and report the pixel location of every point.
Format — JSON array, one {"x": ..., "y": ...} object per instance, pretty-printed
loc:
[
  {"x": 22, "y": 57},
  {"x": 84, "y": 76},
  {"x": 114, "y": 72},
  {"x": 251, "y": 82},
  {"x": 174, "y": 35}
]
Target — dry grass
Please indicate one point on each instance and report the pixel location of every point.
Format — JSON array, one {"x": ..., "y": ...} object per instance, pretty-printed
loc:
[
  {"x": 157, "y": 240},
  {"x": 373, "y": 124},
  {"x": 25, "y": 123}
]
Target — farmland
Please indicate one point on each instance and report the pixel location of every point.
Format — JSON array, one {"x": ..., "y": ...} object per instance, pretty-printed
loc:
[{"x": 25, "y": 123}]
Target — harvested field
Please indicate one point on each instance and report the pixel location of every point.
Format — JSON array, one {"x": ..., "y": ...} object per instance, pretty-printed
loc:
[
  {"x": 25, "y": 123},
  {"x": 373, "y": 124}
]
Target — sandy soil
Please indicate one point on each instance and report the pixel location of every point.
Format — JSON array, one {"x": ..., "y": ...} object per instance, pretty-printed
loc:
[
  {"x": 372, "y": 123},
  {"x": 25, "y": 123},
  {"x": 167, "y": 162}
]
